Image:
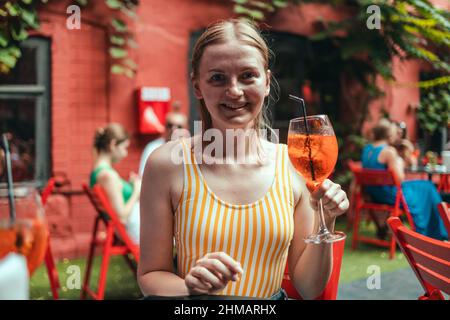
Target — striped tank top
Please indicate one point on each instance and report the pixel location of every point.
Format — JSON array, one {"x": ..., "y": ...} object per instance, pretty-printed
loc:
[{"x": 257, "y": 235}]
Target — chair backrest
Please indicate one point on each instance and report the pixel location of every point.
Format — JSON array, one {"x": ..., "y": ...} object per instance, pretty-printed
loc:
[
  {"x": 429, "y": 258},
  {"x": 331, "y": 289},
  {"x": 373, "y": 177},
  {"x": 444, "y": 211},
  {"x": 104, "y": 209},
  {"x": 48, "y": 190}
]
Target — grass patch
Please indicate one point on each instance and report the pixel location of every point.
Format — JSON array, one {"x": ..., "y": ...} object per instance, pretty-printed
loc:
[
  {"x": 355, "y": 263},
  {"x": 121, "y": 283}
]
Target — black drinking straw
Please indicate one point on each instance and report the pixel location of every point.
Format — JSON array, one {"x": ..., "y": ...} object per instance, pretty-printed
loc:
[
  {"x": 308, "y": 142},
  {"x": 12, "y": 208}
]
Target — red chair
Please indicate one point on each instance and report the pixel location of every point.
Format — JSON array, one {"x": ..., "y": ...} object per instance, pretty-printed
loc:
[
  {"x": 444, "y": 211},
  {"x": 429, "y": 258},
  {"x": 374, "y": 177},
  {"x": 117, "y": 241},
  {"x": 331, "y": 289},
  {"x": 52, "y": 272},
  {"x": 444, "y": 183}
]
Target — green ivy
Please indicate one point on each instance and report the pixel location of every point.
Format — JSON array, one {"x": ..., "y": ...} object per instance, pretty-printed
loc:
[
  {"x": 434, "y": 110},
  {"x": 20, "y": 16}
]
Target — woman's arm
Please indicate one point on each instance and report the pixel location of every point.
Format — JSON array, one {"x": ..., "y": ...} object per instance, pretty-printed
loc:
[
  {"x": 394, "y": 162},
  {"x": 310, "y": 265},
  {"x": 155, "y": 272},
  {"x": 113, "y": 187}
]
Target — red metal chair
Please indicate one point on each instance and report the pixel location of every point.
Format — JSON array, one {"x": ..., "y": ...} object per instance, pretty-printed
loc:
[
  {"x": 117, "y": 241},
  {"x": 374, "y": 177},
  {"x": 52, "y": 272},
  {"x": 429, "y": 258},
  {"x": 331, "y": 290},
  {"x": 444, "y": 183},
  {"x": 444, "y": 211}
]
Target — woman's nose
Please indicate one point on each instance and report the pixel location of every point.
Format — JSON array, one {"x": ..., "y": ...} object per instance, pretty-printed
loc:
[{"x": 234, "y": 90}]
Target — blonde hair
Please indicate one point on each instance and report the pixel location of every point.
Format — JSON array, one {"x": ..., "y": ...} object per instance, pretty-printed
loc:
[{"x": 247, "y": 33}]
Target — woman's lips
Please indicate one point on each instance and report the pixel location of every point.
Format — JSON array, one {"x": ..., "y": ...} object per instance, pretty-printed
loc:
[{"x": 234, "y": 107}]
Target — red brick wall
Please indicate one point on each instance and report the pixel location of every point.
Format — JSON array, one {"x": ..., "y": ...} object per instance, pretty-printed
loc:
[{"x": 85, "y": 96}]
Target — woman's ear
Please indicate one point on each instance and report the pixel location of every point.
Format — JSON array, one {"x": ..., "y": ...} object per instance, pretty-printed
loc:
[
  {"x": 195, "y": 85},
  {"x": 112, "y": 145},
  {"x": 268, "y": 80}
]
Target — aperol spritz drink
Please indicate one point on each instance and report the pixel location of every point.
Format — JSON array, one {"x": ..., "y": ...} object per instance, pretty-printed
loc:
[
  {"x": 27, "y": 234},
  {"x": 313, "y": 151}
]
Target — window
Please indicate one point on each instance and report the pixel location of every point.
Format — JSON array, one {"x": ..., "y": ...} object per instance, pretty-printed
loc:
[{"x": 25, "y": 112}]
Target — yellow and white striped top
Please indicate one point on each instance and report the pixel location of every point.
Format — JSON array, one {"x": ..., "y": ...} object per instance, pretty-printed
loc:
[{"x": 257, "y": 235}]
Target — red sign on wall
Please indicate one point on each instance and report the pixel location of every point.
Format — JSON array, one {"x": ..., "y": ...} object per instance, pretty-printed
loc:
[{"x": 153, "y": 106}]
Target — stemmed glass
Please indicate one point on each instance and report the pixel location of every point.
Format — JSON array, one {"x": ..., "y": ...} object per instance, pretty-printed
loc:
[
  {"x": 313, "y": 151},
  {"x": 22, "y": 226},
  {"x": 27, "y": 233}
]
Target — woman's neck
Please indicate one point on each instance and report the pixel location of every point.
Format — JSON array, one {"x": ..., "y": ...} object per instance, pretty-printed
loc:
[
  {"x": 103, "y": 158},
  {"x": 231, "y": 145},
  {"x": 380, "y": 142}
]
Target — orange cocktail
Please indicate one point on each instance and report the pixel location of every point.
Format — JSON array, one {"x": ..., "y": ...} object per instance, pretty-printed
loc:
[{"x": 28, "y": 233}]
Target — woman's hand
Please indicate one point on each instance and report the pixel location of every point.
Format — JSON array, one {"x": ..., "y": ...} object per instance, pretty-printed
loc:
[
  {"x": 211, "y": 274},
  {"x": 334, "y": 199}
]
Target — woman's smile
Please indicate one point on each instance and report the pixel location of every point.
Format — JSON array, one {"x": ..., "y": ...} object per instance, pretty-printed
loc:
[{"x": 234, "y": 107}]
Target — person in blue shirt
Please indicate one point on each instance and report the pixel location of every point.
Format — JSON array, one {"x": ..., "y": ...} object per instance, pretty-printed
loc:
[{"x": 421, "y": 196}]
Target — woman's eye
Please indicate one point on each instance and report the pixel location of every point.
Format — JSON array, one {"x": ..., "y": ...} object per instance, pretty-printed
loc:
[
  {"x": 217, "y": 77},
  {"x": 248, "y": 75}
]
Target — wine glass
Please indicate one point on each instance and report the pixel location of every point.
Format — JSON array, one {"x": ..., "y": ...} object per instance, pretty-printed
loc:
[
  {"x": 313, "y": 151},
  {"x": 26, "y": 231}
]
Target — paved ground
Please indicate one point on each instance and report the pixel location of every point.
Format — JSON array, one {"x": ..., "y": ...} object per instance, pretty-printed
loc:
[{"x": 397, "y": 285}]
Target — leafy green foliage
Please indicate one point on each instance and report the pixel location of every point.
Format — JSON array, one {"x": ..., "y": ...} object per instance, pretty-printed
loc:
[
  {"x": 434, "y": 111},
  {"x": 20, "y": 16}
]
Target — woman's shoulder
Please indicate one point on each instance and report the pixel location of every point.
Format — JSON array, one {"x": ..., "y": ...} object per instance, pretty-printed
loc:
[{"x": 165, "y": 159}]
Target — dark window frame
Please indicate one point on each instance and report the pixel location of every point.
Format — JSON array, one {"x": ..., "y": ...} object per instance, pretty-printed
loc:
[{"x": 41, "y": 92}]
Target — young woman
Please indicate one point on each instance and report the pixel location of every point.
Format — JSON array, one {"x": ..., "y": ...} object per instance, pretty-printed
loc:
[
  {"x": 111, "y": 146},
  {"x": 421, "y": 196},
  {"x": 236, "y": 214}
]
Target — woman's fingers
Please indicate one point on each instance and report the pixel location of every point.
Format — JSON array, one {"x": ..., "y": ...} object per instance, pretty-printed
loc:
[
  {"x": 217, "y": 267},
  {"x": 228, "y": 261},
  {"x": 212, "y": 273},
  {"x": 207, "y": 276},
  {"x": 196, "y": 285},
  {"x": 334, "y": 199}
]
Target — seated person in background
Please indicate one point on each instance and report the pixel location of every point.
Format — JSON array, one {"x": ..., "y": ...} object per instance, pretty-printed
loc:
[
  {"x": 406, "y": 151},
  {"x": 111, "y": 146},
  {"x": 175, "y": 120},
  {"x": 421, "y": 196}
]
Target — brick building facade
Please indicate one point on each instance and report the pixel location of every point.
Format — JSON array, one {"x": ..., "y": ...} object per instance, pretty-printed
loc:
[{"x": 84, "y": 95}]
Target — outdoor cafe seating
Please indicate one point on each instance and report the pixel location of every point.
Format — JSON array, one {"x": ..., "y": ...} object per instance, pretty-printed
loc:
[
  {"x": 429, "y": 259},
  {"x": 117, "y": 242},
  {"x": 375, "y": 177}
]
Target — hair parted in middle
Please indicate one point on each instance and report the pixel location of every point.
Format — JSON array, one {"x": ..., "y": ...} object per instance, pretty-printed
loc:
[{"x": 247, "y": 33}]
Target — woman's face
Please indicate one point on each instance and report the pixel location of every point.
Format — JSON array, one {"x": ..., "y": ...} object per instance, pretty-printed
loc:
[
  {"x": 232, "y": 82},
  {"x": 119, "y": 151}
]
